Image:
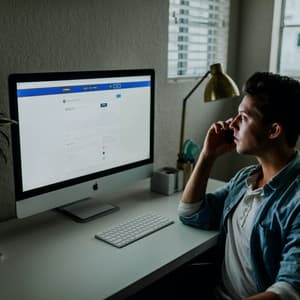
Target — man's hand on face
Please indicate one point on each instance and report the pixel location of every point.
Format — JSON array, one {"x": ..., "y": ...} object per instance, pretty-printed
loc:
[{"x": 219, "y": 139}]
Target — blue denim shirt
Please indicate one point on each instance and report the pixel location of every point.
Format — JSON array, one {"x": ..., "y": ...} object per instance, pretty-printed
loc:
[{"x": 275, "y": 237}]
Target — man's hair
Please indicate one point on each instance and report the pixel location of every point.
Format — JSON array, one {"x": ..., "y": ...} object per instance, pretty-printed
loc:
[{"x": 277, "y": 98}]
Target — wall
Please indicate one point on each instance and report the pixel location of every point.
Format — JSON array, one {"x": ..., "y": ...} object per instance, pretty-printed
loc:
[
  {"x": 255, "y": 20},
  {"x": 253, "y": 48},
  {"x": 42, "y": 36}
]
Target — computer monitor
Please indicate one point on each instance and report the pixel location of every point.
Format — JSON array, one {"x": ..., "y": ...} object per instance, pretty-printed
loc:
[{"x": 79, "y": 134}]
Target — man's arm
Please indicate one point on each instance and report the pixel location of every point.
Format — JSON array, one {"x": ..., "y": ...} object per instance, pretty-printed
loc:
[
  {"x": 196, "y": 186},
  {"x": 215, "y": 144},
  {"x": 264, "y": 296}
]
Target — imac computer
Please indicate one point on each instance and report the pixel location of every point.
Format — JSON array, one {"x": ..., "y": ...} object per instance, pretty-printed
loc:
[{"x": 79, "y": 134}]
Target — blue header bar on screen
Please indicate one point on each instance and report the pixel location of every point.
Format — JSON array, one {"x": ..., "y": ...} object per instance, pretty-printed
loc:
[{"x": 81, "y": 88}]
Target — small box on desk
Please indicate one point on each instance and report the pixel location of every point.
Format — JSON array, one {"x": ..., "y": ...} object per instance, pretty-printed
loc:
[{"x": 167, "y": 181}]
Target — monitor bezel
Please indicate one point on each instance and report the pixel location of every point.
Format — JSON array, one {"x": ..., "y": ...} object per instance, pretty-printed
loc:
[{"x": 52, "y": 76}]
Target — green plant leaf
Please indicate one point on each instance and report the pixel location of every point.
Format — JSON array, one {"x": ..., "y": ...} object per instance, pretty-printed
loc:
[
  {"x": 4, "y": 121},
  {"x": 2, "y": 154},
  {"x": 5, "y": 137}
]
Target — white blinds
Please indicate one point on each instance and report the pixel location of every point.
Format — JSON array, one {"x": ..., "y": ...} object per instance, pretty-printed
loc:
[{"x": 198, "y": 36}]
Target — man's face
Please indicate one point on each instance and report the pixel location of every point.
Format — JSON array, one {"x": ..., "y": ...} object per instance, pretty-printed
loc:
[{"x": 250, "y": 134}]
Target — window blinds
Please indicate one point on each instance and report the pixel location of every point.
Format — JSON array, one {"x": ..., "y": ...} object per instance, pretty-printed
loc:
[{"x": 198, "y": 36}]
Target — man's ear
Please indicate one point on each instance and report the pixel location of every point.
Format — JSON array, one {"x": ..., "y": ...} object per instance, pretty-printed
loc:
[{"x": 275, "y": 130}]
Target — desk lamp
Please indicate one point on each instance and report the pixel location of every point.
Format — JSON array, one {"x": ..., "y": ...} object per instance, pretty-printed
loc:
[{"x": 219, "y": 86}]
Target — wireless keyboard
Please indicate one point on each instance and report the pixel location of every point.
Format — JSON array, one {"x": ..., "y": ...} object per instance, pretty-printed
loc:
[{"x": 134, "y": 229}]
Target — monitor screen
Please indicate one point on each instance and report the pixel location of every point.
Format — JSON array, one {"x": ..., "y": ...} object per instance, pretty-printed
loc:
[{"x": 79, "y": 133}]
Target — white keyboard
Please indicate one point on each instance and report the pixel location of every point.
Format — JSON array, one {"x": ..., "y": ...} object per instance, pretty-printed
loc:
[{"x": 134, "y": 229}]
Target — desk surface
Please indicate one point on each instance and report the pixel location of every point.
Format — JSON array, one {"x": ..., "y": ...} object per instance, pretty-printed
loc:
[{"x": 49, "y": 256}]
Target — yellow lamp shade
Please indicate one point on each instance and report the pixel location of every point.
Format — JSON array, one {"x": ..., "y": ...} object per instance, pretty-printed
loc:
[{"x": 220, "y": 85}]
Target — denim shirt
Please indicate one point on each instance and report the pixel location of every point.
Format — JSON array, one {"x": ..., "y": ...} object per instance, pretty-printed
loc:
[{"x": 275, "y": 237}]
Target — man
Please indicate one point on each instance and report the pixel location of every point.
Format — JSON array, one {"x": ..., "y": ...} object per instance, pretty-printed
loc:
[{"x": 258, "y": 210}]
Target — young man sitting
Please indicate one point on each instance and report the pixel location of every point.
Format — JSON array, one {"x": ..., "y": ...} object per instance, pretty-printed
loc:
[{"x": 258, "y": 210}]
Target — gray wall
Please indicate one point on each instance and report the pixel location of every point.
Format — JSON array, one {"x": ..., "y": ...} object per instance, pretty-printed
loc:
[
  {"x": 253, "y": 47},
  {"x": 39, "y": 36}
]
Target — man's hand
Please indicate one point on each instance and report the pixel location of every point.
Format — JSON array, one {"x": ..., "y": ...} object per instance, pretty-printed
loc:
[{"x": 216, "y": 141}]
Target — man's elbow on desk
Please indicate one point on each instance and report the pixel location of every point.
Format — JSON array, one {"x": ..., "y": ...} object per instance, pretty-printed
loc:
[
  {"x": 190, "y": 214},
  {"x": 188, "y": 209}
]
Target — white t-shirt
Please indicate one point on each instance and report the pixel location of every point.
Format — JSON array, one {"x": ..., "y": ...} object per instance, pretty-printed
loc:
[{"x": 237, "y": 276}]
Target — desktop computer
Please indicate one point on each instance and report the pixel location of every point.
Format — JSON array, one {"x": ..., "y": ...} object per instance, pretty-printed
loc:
[{"x": 79, "y": 134}]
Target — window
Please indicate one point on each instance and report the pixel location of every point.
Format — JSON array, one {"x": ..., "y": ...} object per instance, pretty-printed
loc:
[
  {"x": 287, "y": 56},
  {"x": 198, "y": 36}
]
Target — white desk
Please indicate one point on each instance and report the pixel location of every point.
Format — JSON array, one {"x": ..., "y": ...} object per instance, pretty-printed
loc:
[{"x": 49, "y": 256}]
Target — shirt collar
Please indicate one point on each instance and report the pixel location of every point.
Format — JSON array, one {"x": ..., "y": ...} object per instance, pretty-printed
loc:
[
  {"x": 285, "y": 173},
  {"x": 280, "y": 178},
  {"x": 251, "y": 183}
]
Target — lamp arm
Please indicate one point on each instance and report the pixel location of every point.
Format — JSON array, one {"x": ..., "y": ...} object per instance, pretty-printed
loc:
[{"x": 184, "y": 111}]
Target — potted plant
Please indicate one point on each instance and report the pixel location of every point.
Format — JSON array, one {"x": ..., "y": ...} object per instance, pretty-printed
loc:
[{"x": 4, "y": 121}]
